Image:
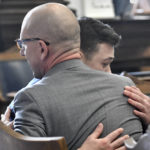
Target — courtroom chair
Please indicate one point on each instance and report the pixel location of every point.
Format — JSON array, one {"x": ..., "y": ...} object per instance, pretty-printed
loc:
[
  {"x": 11, "y": 140},
  {"x": 140, "y": 82}
]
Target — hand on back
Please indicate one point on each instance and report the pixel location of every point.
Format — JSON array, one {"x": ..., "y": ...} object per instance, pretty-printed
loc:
[
  {"x": 5, "y": 118},
  {"x": 139, "y": 101},
  {"x": 110, "y": 142}
]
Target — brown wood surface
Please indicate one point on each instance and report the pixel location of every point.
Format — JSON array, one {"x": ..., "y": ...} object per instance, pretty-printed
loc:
[{"x": 11, "y": 140}]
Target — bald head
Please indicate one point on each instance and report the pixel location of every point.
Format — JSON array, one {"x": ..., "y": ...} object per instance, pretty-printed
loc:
[{"x": 52, "y": 22}]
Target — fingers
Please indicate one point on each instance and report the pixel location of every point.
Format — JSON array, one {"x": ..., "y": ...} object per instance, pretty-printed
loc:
[
  {"x": 110, "y": 142},
  {"x": 7, "y": 113},
  {"x": 114, "y": 141},
  {"x": 97, "y": 131},
  {"x": 5, "y": 118},
  {"x": 119, "y": 142},
  {"x": 143, "y": 110},
  {"x": 121, "y": 148},
  {"x": 113, "y": 135},
  {"x": 10, "y": 124},
  {"x": 137, "y": 96},
  {"x": 136, "y": 104},
  {"x": 132, "y": 89},
  {"x": 141, "y": 115},
  {"x": 135, "y": 91},
  {"x": 2, "y": 117},
  {"x": 132, "y": 95},
  {"x": 6, "y": 122}
]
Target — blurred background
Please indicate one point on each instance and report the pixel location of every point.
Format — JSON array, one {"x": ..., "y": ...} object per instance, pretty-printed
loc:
[{"x": 130, "y": 18}]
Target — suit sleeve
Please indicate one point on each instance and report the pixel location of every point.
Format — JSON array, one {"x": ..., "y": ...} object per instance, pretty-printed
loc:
[
  {"x": 121, "y": 111},
  {"x": 131, "y": 123},
  {"x": 28, "y": 120}
]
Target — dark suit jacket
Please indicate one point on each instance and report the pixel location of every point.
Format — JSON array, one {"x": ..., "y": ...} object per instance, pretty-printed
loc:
[{"x": 70, "y": 100}]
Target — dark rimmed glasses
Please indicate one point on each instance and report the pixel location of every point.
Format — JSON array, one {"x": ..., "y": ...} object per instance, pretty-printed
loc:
[{"x": 20, "y": 42}]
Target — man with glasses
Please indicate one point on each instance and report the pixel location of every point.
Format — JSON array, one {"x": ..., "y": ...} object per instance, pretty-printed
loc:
[{"x": 70, "y": 99}]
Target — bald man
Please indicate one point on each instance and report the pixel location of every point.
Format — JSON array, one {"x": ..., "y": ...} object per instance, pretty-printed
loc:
[{"x": 70, "y": 99}]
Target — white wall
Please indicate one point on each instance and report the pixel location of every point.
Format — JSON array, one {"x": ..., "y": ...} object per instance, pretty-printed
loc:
[
  {"x": 77, "y": 5},
  {"x": 93, "y": 8}
]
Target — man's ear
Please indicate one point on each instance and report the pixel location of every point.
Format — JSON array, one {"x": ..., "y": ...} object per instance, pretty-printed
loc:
[
  {"x": 44, "y": 50},
  {"x": 82, "y": 56}
]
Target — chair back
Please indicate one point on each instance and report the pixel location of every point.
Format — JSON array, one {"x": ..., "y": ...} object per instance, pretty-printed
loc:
[{"x": 11, "y": 140}]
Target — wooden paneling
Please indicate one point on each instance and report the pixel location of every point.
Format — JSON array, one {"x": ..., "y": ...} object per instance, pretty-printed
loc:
[{"x": 12, "y": 13}]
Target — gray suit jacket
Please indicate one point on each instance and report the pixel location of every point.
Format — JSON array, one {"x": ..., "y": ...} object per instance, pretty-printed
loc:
[{"x": 70, "y": 100}]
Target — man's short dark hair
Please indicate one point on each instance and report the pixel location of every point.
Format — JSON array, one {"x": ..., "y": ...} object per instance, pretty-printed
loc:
[{"x": 94, "y": 32}]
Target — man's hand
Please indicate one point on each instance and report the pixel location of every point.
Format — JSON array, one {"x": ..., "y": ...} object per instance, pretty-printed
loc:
[
  {"x": 110, "y": 142},
  {"x": 5, "y": 118},
  {"x": 140, "y": 101}
]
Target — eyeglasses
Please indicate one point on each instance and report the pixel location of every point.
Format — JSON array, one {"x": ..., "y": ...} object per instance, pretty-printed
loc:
[{"x": 20, "y": 42}]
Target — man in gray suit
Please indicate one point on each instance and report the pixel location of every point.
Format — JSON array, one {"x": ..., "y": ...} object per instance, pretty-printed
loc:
[{"x": 70, "y": 99}]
